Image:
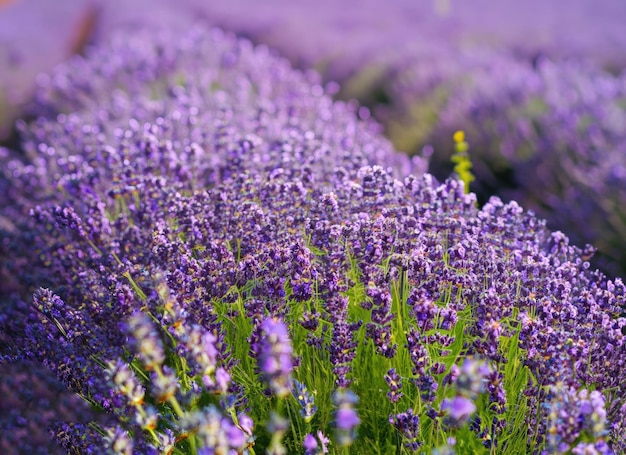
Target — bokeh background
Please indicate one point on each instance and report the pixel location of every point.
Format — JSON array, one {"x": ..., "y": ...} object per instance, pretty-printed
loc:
[{"x": 348, "y": 41}]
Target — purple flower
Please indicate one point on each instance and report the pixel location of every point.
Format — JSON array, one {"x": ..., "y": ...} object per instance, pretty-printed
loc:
[
  {"x": 346, "y": 417},
  {"x": 310, "y": 444},
  {"x": 459, "y": 409},
  {"x": 394, "y": 381},
  {"x": 408, "y": 424},
  {"x": 306, "y": 400},
  {"x": 275, "y": 356}
]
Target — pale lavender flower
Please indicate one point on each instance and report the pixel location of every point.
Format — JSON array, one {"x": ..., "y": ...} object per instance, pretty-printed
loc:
[
  {"x": 118, "y": 442},
  {"x": 458, "y": 410},
  {"x": 275, "y": 356},
  {"x": 145, "y": 341},
  {"x": 346, "y": 417}
]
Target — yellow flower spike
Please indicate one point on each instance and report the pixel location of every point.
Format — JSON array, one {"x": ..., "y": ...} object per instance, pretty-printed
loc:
[{"x": 461, "y": 160}]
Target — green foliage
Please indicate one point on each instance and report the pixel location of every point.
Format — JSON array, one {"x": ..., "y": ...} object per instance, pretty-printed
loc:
[{"x": 376, "y": 434}]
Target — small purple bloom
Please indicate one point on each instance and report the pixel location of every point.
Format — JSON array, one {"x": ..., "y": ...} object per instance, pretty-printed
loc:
[
  {"x": 346, "y": 417},
  {"x": 459, "y": 409},
  {"x": 310, "y": 444}
]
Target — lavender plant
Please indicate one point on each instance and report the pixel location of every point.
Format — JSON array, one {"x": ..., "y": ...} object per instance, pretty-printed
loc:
[{"x": 224, "y": 265}]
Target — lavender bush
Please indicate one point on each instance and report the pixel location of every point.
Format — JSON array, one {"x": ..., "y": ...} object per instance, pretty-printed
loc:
[
  {"x": 225, "y": 261},
  {"x": 551, "y": 137}
]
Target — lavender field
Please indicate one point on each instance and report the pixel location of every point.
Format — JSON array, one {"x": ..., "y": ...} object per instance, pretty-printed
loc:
[{"x": 316, "y": 227}]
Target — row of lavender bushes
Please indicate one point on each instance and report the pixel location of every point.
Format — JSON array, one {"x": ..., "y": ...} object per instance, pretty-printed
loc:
[
  {"x": 545, "y": 132},
  {"x": 215, "y": 257},
  {"x": 546, "y": 123}
]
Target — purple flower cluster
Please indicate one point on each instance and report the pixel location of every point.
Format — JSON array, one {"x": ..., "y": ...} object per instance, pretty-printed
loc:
[
  {"x": 167, "y": 179},
  {"x": 572, "y": 414}
]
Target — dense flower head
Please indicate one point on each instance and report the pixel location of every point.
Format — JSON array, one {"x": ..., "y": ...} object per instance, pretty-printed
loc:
[
  {"x": 574, "y": 414},
  {"x": 173, "y": 221}
]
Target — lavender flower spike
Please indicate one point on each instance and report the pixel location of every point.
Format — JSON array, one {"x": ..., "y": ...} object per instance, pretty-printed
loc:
[
  {"x": 305, "y": 399},
  {"x": 146, "y": 341},
  {"x": 459, "y": 410},
  {"x": 275, "y": 356},
  {"x": 346, "y": 417}
]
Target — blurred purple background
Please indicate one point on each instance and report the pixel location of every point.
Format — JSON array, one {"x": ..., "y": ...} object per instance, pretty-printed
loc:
[{"x": 336, "y": 37}]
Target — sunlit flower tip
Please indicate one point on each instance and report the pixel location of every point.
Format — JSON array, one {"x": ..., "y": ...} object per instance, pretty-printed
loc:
[
  {"x": 201, "y": 344},
  {"x": 217, "y": 433},
  {"x": 145, "y": 340},
  {"x": 166, "y": 440},
  {"x": 126, "y": 383},
  {"x": 118, "y": 441},
  {"x": 148, "y": 419},
  {"x": 310, "y": 444},
  {"x": 164, "y": 385}
]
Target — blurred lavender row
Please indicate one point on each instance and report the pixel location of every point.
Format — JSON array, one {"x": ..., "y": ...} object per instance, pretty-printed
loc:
[{"x": 355, "y": 38}]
